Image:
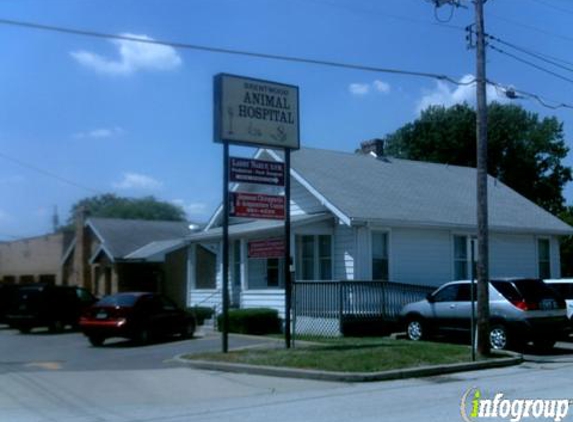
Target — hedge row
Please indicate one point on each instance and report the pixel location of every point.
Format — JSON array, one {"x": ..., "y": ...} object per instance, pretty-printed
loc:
[{"x": 252, "y": 321}]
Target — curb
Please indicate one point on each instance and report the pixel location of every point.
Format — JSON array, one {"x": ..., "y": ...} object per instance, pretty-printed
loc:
[{"x": 423, "y": 371}]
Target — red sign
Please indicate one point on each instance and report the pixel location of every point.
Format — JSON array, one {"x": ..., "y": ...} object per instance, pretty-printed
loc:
[
  {"x": 256, "y": 205},
  {"x": 256, "y": 171},
  {"x": 269, "y": 248}
]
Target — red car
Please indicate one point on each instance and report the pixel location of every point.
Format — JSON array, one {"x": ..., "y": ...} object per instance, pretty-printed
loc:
[{"x": 137, "y": 316}]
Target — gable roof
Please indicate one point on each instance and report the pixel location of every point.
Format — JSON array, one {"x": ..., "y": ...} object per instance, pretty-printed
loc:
[
  {"x": 119, "y": 237},
  {"x": 393, "y": 191}
]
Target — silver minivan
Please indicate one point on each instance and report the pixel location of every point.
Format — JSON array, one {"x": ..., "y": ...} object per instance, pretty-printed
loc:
[{"x": 521, "y": 310}]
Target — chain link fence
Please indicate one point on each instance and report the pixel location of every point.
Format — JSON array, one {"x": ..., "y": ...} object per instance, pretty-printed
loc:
[{"x": 335, "y": 308}]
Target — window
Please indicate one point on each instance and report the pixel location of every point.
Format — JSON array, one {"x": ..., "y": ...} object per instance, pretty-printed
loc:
[
  {"x": 543, "y": 258},
  {"x": 205, "y": 268},
  {"x": 447, "y": 294},
  {"x": 265, "y": 273},
  {"x": 460, "y": 258},
  {"x": 379, "y": 256},
  {"x": 314, "y": 253}
]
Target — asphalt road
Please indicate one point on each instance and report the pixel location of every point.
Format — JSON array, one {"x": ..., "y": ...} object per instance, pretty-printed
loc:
[{"x": 62, "y": 378}]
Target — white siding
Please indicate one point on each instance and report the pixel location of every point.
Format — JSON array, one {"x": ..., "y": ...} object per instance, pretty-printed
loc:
[
  {"x": 344, "y": 252},
  {"x": 274, "y": 299},
  {"x": 512, "y": 255},
  {"x": 421, "y": 256}
]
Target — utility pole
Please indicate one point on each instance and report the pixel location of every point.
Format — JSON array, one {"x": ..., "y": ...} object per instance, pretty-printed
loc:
[
  {"x": 482, "y": 212},
  {"x": 483, "y": 346}
]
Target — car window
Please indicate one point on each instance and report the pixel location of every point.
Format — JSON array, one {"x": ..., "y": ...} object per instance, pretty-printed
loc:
[
  {"x": 507, "y": 290},
  {"x": 534, "y": 290},
  {"x": 447, "y": 294},
  {"x": 464, "y": 293},
  {"x": 118, "y": 300},
  {"x": 84, "y": 295},
  {"x": 564, "y": 289}
]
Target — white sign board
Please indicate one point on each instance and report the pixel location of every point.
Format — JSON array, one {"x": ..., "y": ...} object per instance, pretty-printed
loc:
[{"x": 256, "y": 112}]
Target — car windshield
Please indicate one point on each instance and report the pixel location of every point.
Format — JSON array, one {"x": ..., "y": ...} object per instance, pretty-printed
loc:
[
  {"x": 564, "y": 289},
  {"x": 118, "y": 300}
]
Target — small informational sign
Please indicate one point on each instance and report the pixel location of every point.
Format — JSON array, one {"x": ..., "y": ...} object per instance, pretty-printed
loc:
[
  {"x": 254, "y": 205},
  {"x": 256, "y": 112},
  {"x": 268, "y": 248},
  {"x": 256, "y": 171}
]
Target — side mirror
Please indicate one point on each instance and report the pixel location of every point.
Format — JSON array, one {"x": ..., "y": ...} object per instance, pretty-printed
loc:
[{"x": 430, "y": 298}]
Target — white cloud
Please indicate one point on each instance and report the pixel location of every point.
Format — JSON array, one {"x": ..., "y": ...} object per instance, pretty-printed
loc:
[
  {"x": 100, "y": 133},
  {"x": 137, "y": 181},
  {"x": 381, "y": 86},
  {"x": 359, "y": 89},
  {"x": 133, "y": 56},
  {"x": 447, "y": 96},
  {"x": 362, "y": 89}
]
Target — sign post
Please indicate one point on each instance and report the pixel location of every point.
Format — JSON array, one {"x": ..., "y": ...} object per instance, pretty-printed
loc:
[{"x": 254, "y": 112}]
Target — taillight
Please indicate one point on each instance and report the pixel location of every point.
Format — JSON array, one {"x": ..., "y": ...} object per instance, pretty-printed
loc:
[{"x": 525, "y": 306}]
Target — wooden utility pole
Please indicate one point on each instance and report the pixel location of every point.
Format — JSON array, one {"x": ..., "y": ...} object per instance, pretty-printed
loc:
[{"x": 483, "y": 346}]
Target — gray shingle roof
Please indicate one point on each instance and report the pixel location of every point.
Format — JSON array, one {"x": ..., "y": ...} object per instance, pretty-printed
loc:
[
  {"x": 399, "y": 191},
  {"x": 122, "y": 237}
]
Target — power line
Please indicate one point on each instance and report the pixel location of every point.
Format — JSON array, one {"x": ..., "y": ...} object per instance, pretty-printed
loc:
[
  {"x": 560, "y": 9},
  {"x": 48, "y": 173},
  {"x": 516, "y": 94},
  {"x": 540, "y": 56},
  {"x": 531, "y": 27},
  {"x": 527, "y": 62},
  {"x": 197, "y": 47}
]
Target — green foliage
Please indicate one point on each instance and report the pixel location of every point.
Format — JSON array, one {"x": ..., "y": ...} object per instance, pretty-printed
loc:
[
  {"x": 201, "y": 313},
  {"x": 111, "y": 206},
  {"x": 524, "y": 151},
  {"x": 257, "y": 321}
]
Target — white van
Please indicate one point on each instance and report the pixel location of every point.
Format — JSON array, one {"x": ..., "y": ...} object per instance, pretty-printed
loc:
[{"x": 565, "y": 287}]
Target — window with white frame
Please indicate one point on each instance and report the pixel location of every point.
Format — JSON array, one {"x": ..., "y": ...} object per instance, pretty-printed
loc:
[
  {"x": 314, "y": 257},
  {"x": 544, "y": 258},
  {"x": 461, "y": 258},
  {"x": 265, "y": 273},
  {"x": 380, "y": 256},
  {"x": 463, "y": 255}
]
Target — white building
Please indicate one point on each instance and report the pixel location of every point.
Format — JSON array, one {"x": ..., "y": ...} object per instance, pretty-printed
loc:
[{"x": 362, "y": 217}]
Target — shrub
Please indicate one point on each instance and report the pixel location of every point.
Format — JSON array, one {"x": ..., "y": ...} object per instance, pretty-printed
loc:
[
  {"x": 201, "y": 313},
  {"x": 252, "y": 321}
]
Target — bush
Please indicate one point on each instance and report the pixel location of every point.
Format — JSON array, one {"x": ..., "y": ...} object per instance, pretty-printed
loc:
[
  {"x": 201, "y": 313},
  {"x": 252, "y": 321}
]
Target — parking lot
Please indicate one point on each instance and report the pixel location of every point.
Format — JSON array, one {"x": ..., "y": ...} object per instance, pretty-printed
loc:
[{"x": 70, "y": 350}]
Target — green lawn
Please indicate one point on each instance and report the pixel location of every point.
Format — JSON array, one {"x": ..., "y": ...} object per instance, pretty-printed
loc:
[{"x": 349, "y": 355}]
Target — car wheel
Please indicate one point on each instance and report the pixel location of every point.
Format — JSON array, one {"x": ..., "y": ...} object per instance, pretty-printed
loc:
[
  {"x": 545, "y": 344},
  {"x": 188, "y": 330},
  {"x": 415, "y": 329},
  {"x": 96, "y": 341},
  {"x": 498, "y": 338}
]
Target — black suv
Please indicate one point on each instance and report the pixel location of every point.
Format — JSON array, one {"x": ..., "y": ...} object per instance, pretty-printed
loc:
[
  {"x": 6, "y": 298},
  {"x": 44, "y": 305}
]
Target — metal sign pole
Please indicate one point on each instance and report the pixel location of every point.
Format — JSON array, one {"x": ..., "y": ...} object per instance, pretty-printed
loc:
[
  {"x": 287, "y": 258},
  {"x": 225, "y": 299},
  {"x": 473, "y": 298}
]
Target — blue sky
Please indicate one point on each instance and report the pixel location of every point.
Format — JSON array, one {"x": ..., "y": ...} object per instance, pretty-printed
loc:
[{"x": 81, "y": 115}]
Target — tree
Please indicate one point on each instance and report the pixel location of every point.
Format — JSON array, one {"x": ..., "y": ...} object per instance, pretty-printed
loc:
[
  {"x": 111, "y": 206},
  {"x": 524, "y": 151}
]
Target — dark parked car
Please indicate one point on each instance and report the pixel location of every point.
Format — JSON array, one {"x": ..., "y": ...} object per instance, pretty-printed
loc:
[
  {"x": 136, "y": 316},
  {"x": 45, "y": 305},
  {"x": 6, "y": 298},
  {"x": 521, "y": 310}
]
